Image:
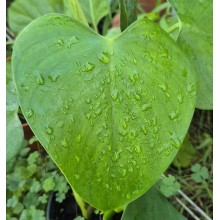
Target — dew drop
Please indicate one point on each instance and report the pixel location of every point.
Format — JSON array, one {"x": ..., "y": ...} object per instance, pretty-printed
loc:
[
  {"x": 138, "y": 149},
  {"x": 124, "y": 172},
  {"x": 79, "y": 138},
  {"x": 88, "y": 67},
  {"x": 40, "y": 80},
  {"x": 49, "y": 130},
  {"x": 73, "y": 40},
  {"x": 118, "y": 187},
  {"x": 60, "y": 42},
  {"x": 65, "y": 143},
  {"x": 30, "y": 113},
  {"x": 88, "y": 100},
  {"x": 77, "y": 176},
  {"x": 180, "y": 98},
  {"x": 128, "y": 196},
  {"x": 135, "y": 61},
  {"x": 114, "y": 94},
  {"x": 175, "y": 141},
  {"x": 130, "y": 169},
  {"x": 103, "y": 57},
  {"x": 173, "y": 115},
  {"x": 146, "y": 106},
  {"x": 77, "y": 159}
]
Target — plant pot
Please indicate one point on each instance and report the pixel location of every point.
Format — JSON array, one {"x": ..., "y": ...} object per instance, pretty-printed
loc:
[{"x": 68, "y": 209}]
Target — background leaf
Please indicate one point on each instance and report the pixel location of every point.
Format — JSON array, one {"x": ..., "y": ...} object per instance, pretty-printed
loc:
[
  {"x": 22, "y": 12},
  {"x": 196, "y": 40},
  {"x": 153, "y": 206},
  {"x": 127, "y": 13},
  {"x": 118, "y": 108},
  {"x": 186, "y": 154},
  {"x": 94, "y": 10},
  {"x": 14, "y": 131}
]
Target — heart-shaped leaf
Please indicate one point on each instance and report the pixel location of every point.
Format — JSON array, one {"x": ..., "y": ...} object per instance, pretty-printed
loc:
[
  {"x": 196, "y": 40},
  {"x": 111, "y": 112}
]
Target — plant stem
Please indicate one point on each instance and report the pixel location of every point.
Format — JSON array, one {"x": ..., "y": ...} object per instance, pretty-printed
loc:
[
  {"x": 81, "y": 204},
  {"x": 205, "y": 185},
  {"x": 108, "y": 215}
]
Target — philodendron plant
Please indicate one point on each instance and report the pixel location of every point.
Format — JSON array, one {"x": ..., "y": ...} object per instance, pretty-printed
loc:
[{"x": 112, "y": 112}]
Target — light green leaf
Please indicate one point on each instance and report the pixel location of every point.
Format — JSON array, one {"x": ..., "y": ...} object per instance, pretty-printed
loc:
[
  {"x": 94, "y": 10},
  {"x": 199, "y": 173},
  {"x": 196, "y": 40},
  {"x": 14, "y": 130},
  {"x": 14, "y": 133},
  {"x": 113, "y": 113},
  {"x": 127, "y": 13},
  {"x": 185, "y": 155},
  {"x": 74, "y": 9},
  {"x": 22, "y": 12},
  {"x": 169, "y": 186},
  {"x": 48, "y": 184},
  {"x": 153, "y": 206}
]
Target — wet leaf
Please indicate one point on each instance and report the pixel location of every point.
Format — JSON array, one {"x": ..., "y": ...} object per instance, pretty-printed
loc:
[
  {"x": 196, "y": 39},
  {"x": 111, "y": 112}
]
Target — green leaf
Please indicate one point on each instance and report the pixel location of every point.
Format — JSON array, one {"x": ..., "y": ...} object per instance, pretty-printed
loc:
[
  {"x": 169, "y": 186},
  {"x": 74, "y": 9},
  {"x": 94, "y": 10},
  {"x": 31, "y": 199},
  {"x": 153, "y": 206},
  {"x": 36, "y": 186},
  {"x": 48, "y": 184},
  {"x": 196, "y": 39},
  {"x": 12, "y": 202},
  {"x": 185, "y": 155},
  {"x": 113, "y": 113},
  {"x": 127, "y": 13},
  {"x": 79, "y": 218},
  {"x": 14, "y": 131},
  {"x": 22, "y": 12},
  {"x": 199, "y": 173},
  {"x": 43, "y": 199}
]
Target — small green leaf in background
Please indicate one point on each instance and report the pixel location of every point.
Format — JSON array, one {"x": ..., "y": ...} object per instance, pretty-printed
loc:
[
  {"x": 48, "y": 184},
  {"x": 127, "y": 13},
  {"x": 94, "y": 10},
  {"x": 169, "y": 186},
  {"x": 22, "y": 12},
  {"x": 14, "y": 130},
  {"x": 36, "y": 186},
  {"x": 199, "y": 173},
  {"x": 31, "y": 199},
  {"x": 196, "y": 39},
  {"x": 12, "y": 202},
  {"x": 185, "y": 155},
  {"x": 73, "y": 8},
  {"x": 153, "y": 206},
  {"x": 43, "y": 199},
  {"x": 33, "y": 157}
]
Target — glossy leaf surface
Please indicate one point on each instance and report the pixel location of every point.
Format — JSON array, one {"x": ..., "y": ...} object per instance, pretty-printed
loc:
[
  {"x": 196, "y": 40},
  {"x": 22, "y": 12},
  {"x": 153, "y": 206},
  {"x": 111, "y": 112},
  {"x": 14, "y": 131}
]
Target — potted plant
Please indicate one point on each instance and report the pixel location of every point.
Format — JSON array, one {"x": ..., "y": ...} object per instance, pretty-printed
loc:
[{"x": 114, "y": 113}]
